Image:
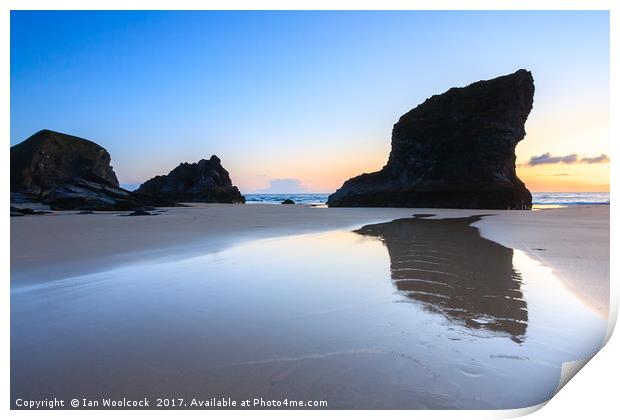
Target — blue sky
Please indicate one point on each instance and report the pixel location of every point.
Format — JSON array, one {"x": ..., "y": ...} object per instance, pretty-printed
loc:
[{"x": 307, "y": 97}]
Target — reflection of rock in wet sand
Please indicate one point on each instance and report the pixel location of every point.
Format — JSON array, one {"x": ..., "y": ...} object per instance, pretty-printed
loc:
[{"x": 448, "y": 266}]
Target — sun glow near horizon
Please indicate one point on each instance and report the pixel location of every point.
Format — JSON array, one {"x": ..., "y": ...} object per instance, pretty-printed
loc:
[
  {"x": 558, "y": 178},
  {"x": 327, "y": 173},
  {"x": 544, "y": 178}
]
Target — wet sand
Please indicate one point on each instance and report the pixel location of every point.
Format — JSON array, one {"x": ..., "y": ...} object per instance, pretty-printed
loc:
[
  {"x": 573, "y": 241},
  {"x": 416, "y": 313},
  {"x": 363, "y": 308}
]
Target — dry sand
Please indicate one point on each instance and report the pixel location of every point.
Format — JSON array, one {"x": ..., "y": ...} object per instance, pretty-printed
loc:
[{"x": 573, "y": 241}]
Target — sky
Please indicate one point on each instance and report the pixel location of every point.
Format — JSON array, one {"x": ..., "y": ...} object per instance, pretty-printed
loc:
[{"x": 301, "y": 101}]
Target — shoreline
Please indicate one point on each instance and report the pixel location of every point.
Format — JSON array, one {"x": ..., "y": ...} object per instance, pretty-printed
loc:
[
  {"x": 576, "y": 247},
  {"x": 573, "y": 241}
]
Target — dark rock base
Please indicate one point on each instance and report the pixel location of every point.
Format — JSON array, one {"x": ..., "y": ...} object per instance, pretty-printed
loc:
[{"x": 491, "y": 198}]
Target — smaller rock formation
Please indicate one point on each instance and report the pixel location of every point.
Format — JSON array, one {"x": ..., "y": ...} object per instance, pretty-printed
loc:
[
  {"x": 455, "y": 150},
  {"x": 288, "y": 201},
  {"x": 68, "y": 173},
  {"x": 22, "y": 211},
  {"x": 203, "y": 182},
  {"x": 141, "y": 212}
]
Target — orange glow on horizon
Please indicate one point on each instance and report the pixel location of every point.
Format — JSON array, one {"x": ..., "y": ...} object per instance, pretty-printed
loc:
[
  {"x": 565, "y": 178},
  {"x": 328, "y": 176}
]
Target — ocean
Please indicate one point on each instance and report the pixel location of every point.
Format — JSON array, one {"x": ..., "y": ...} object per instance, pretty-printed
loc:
[{"x": 539, "y": 198}]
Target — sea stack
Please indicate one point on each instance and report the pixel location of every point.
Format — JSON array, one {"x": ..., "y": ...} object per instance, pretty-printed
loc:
[
  {"x": 49, "y": 159},
  {"x": 455, "y": 150},
  {"x": 205, "y": 182},
  {"x": 67, "y": 172}
]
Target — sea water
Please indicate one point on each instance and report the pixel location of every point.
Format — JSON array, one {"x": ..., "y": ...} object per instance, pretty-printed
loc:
[{"x": 538, "y": 198}]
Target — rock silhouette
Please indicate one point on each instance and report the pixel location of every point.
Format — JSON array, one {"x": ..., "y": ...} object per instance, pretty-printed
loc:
[
  {"x": 205, "y": 181},
  {"x": 48, "y": 159},
  {"x": 455, "y": 150},
  {"x": 68, "y": 173},
  {"x": 449, "y": 268}
]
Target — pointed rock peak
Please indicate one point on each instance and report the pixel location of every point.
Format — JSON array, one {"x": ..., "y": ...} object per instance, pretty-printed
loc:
[
  {"x": 455, "y": 150},
  {"x": 205, "y": 181}
]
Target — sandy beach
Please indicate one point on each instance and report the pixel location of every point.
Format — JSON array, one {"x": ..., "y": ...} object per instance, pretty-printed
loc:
[
  {"x": 360, "y": 307},
  {"x": 573, "y": 241}
]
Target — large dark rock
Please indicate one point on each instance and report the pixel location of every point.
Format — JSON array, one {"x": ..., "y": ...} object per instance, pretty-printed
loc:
[
  {"x": 49, "y": 159},
  {"x": 68, "y": 173},
  {"x": 455, "y": 150},
  {"x": 205, "y": 182}
]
